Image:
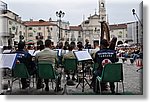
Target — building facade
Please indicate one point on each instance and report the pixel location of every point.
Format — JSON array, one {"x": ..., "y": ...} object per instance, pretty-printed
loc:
[
  {"x": 119, "y": 31},
  {"x": 63, "y": 29},
  {"x": 129, "y": 32},
  {"x": 135, "y": 34},
  {"x": 38, "y": 31},
  {"x": 12, "y": 30},
  {"x": 75, "y": 34},
  {"x": 92, "y": 26},
  {"x": 91, "y": 29}
]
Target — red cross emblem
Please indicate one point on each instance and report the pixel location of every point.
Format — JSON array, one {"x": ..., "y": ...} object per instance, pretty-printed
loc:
[{"x": 105, "y": 61}]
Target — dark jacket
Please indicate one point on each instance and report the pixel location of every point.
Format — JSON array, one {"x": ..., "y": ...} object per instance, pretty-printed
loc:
[
  {"x": 26, "y": 58},
  {"x": 105, "y": 54}
]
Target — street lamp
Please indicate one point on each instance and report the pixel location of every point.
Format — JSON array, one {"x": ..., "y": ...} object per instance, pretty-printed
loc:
[
  {"x": 60, "y": 15},
  {"x": 133, "y": 11}
]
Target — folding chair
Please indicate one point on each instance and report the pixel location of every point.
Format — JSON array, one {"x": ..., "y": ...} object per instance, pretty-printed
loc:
[
  {"x": 111, "y": 73},
  {"x": 95, "y": 66},
  {"x": 18, "y": 72},
  {"x": 46, "y": 71},
  {"x": 70, "y": 65}
]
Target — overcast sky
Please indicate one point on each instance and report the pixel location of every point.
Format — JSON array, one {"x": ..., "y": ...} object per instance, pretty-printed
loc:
[{"x": 119, "y": 11}]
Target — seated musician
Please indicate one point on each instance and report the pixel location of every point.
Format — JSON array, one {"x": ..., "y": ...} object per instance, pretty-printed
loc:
[
  {"x": 70, "y": 55},
  {"x": 24, "y": 57},
  {"x": 102, "y": 56},
  {"x": 87, "y": 44},
  {"x": 60, "y": 54},
  {"x": 96, "y": 48},
  {"x": 49, "y": 56}
]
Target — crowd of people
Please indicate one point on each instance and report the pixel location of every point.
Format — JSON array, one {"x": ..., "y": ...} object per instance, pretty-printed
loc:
[
  {"x": 47, "y": 53},
  {"x": 132, "y": 53}
]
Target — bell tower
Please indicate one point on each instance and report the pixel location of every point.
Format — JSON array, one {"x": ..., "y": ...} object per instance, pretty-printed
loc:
[{"x": 102, "y": 10}]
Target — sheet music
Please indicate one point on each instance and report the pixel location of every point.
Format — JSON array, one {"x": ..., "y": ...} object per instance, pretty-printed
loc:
[
  {"x": 6, "y": 51},
  {"x": 7, "y": 60},
  {"x": 83, "y": 55}
]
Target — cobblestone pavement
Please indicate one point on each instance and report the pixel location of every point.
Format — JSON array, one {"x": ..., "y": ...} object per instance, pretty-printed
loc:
[{"x": 132, "y": 85}]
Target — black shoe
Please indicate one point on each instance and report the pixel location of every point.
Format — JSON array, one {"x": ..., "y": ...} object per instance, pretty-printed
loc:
[
  {"x": 1, "y": 93},
  {"x": 5, "y": 86},
  {"x": 46, "y": 88},
  {"x": 25, "y": 86},
  {"x": 113, "y": 92},
  {"x": 68, "y": 78},
  {"x": 39, "y": 86},
  {"x": 104, "y": 89},
  {"x": 58, "y": 89}
]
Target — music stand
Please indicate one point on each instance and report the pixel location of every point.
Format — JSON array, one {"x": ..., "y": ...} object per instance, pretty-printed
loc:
[
  {"x": 6, "y": 51},
  {"x": 83, "y": 56},
  {"x": 7, "y": 60}
]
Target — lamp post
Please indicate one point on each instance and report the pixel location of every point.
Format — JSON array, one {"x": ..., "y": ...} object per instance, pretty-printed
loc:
[
  {"x": 134, "y": 14},
  {"x": 133, "y": 10},
  {"x": 60, "y": 15}
]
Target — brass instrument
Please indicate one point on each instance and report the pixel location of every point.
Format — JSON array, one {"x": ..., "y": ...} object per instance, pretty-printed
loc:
[{"x": 105, "y": 31}]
